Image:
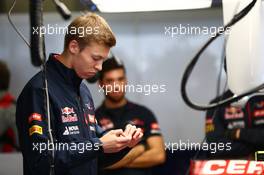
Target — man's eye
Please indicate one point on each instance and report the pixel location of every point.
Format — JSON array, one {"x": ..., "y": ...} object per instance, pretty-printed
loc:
[{"x": 121, "y": 79}]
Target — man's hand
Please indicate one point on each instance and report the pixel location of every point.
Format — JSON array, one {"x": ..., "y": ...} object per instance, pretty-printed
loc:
[
  {"x": 135, "y": 134},
  {"x": 114, "y": 141}
]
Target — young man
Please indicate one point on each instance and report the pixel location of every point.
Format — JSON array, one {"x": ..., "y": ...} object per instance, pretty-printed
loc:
[
  {"x": 116, "y": 111},
  {"x": 78, "y": 139}
]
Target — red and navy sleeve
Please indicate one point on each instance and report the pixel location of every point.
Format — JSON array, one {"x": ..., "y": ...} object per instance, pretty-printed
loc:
[
  {"x": 152, "y": 127},
  {"x": 32, "y": 130}
]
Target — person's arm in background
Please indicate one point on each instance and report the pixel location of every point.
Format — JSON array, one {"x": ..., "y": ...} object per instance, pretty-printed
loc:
[
  {"x": 119, "y": 159},
  {"x": 153, "y": 155},
  {"x": 216, "y": 132},
  {"x": 250, "y": 135},
  {"x": 129, "y": 157},
  {"x": 154, "y": 144}
]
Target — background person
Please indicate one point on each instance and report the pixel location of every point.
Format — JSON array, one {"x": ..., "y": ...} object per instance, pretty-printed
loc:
[
  {"x": 241, "y": 127},
  {"x": 8, "y": 132},
  {"x": 116, "y": 111}
]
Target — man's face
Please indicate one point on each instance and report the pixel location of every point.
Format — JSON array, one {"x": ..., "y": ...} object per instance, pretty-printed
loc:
[
  {"x": 114, "y": 82},
  {"x": 88, "y": 62}
]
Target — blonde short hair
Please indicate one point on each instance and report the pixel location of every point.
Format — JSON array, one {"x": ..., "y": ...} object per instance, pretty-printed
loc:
[{"x": 89, "y": 28}]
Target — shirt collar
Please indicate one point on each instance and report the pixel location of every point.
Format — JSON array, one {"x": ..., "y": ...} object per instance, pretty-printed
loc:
[
  {"x": 68, "y": 75},
  {"x": 127, "y": 106}
]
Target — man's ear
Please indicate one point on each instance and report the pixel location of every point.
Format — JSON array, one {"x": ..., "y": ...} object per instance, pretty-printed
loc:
[{"x": 73, "y": 47}]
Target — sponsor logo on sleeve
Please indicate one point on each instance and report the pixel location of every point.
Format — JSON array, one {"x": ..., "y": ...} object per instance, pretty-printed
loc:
[
  {"x": 259, "y": 104},
  {"x": 106, "y": 123},
  {"x": 209, "y": 125},
  {"x": 34, "y": 117},
  {"x": 259, "y": 113},
  {"x": 35, "y": 129},
  {"x": 154, "y": 128},
  {"x": 137, "y": 122},
  {"x": 236, "y": 125},
  {"x": 259, "y": 122}
]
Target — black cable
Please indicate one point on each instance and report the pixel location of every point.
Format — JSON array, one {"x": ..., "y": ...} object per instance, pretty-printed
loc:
[
  {"x": 218, "y": 89},
  {"x": 191, "y": 66},
  {"x": 38, "y": 51},
  {"x": 13, "y": 25},
  {"x": 47, "y": 111},
  {"x": 38, "y": 57},
  {"x": 193, "y": 62}
]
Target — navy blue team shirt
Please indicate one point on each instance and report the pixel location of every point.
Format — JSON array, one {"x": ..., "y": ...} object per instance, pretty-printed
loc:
[
  {"x": 130, "y": 113},
  {"x": 73, "y": 124}
]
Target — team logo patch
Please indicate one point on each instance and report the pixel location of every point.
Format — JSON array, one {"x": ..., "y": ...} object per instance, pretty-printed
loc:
[
  {"x": 259, "y": 113},
  {"x": 259, "y": 104},
  {"x": 259, "y": 122},
  {"x": 233, "y": 113},
  {"x": 154, "y": 128},
  {"x": 35, "y": 129},
  {"x": 71, "y": 130},
  {"x": 236, "y": 124},
  {"x": 137, "y": 122},
  {"x": 68, "y": 115},
  {"x": 209, "y": 121},
  {"x": 34, "y": 117},
  {"x": 106, "y": 123}
]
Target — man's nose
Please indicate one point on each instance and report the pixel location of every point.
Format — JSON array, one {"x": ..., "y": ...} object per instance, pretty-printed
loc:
[{"x": 98, "y": 66}]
